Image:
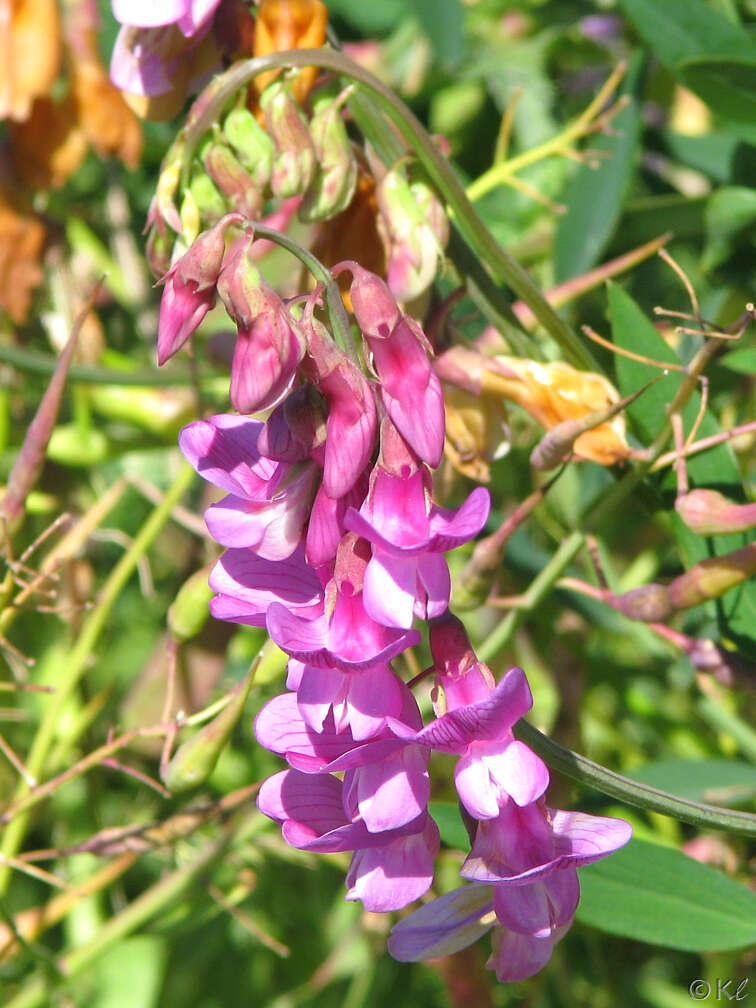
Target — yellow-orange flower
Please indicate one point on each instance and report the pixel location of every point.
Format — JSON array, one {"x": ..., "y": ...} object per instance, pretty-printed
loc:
[
  {"x": 22, "y": 236},
  {"x": 290, "y": 24},
  {"x": 30, "y": 49}
]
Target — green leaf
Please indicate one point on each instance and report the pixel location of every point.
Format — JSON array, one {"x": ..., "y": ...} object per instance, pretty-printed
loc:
[
  {"x": 444, "y": 26},
  {"x": 724, "y": 158},
  {"x": 450, "y": 825},
  {"x": 743, "y": 360},
  {"x": 680, "y": 30},
  {"x": 728, "y": 86},
  {"x": 713, "y": 781},
  {"x": 595, "y": 196},
  {"x": 660, "y": 896}
]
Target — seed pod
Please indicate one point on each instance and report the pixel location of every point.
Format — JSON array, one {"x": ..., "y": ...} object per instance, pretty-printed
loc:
[
  {"x": 189, "y": 610},
  {"x": 195, "y": 760}
]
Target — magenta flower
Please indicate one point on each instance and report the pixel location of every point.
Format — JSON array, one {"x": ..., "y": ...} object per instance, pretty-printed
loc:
[
  {"x": 407, "y": 574},
  {"x": 352, "y": 422},
  {"x": 410, "y": 388},
  {"x": 326, "y": 527},
  {"x": 268, "y": 501},
  {"x": 247, "y": 586},
  {"x": 190, "y": 289},
  {"x": 388, "y": 870},
  {"x": 344, "y": 637},
  {"x": 269, "y": 345}
]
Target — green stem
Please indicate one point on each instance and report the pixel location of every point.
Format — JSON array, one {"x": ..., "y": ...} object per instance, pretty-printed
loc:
[
  {"x": 79, "y": 656},
  {"x": 535, "y": 594},
  {"x": 584, "y": 123},
  {"x": 476, "y": 234},
  {"x": 585, "y": 771},
  {"x": 36, "y": 993},
  {"x": 38, "y": 363},
  {"x": 336, "y": 310}
]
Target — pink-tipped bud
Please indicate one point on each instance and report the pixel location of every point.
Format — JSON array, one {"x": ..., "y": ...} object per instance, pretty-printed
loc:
[
  {"x": 462, "y": 677},
  {"x": 233, "y": 181},
  {"x": 415, "y": 229},
  {"x": 335, "y": 181},
  {"x": 269, "y": 344},
  {"x": 294, "y": 161},
  {"x": 373, "y": 304},
  {"x": 190, "y": 287},
  {"x": 707, "y": 512}
]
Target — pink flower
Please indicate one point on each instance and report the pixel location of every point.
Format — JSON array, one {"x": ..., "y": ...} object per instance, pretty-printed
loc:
[
  {"x": 247, "y": 586},
  {"x": 190, "y": 15},
  {"x": 388, "y": 870},
  {"x": 190, "y": 289},
  {"x": 269, "y": 345},
  {"x": 268, "y": 502},
  {"x": 407, "y": 574},
  {"x": 410, "y": 388}
]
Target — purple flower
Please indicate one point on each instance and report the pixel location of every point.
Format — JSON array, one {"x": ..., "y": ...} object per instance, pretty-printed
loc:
[
  {"x": 388, "y": 870},
  {"x": 247, "y": 586},
  {"x": 344, "y": 637},
  {"x": 189, "y": 15},
  {"x": 268, "y": 502}
]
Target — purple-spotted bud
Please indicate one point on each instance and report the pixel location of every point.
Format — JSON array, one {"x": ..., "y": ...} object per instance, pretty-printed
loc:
[
  {"x": 294, "y": 162},
  {"x": 415, "y": 230},
  {"x": 335, "y": 181},
  {"x": 708, "y": 512},
  {"x": 233, "y": 181},
  {"x": 252, "y": 145},
  {"x": 269, "y": 344},
  {"x": 189, "y": 291}
]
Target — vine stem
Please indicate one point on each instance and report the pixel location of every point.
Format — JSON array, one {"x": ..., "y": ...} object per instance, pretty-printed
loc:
[
  {"x": 502, "y": 266},
  {"x": 336, "y": 310},
  {"x": 584, "y": 123},
  {"x": 80, "y": 653},
  {"x": 585, "y": 771}
]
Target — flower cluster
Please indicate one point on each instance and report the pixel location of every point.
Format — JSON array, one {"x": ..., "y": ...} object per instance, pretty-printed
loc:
[{"x": 335, "y": 545}]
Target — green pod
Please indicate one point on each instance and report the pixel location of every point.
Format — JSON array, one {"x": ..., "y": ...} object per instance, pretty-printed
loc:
[
  {"x": 294, "y": 162},
  {"x": 189, "y": 611},
  {"x": 195, "y": 759},
  {"x": 251, "y": 143}
]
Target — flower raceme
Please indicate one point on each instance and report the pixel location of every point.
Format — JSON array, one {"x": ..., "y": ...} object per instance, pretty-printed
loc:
[{"x": 335, "y": 545}]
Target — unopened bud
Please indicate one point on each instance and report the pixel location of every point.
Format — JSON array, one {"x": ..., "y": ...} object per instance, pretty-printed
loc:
[
  {"x": 708, "y": 512},
  {"x": 294, "y": 162},
  {"x": 335, "y": 181},
  {"x": 189, "y": 611},
  {"x": 649, "y": 603},
  {"x": 233, "y": 181},
  {"x": 195, "y": 760},
  {"x": 415, "y": 230},
  {"x": 208, "y": 201},
  {"x": 253, "y": 146},
  {"x": 713, "y": 577}
]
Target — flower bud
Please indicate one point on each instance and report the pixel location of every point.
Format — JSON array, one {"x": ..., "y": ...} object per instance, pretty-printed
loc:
[
  {"x": 233, "y": 181},
  {"x": 252, "y": 145},
  {"x": 207, "y": 199},
  {"x": 649, "y": 603},
  {"x": 189, "y": 611},
  {"x": 189, "y": 292},
  {"x": 708, "y": 512},
  {"x": 415, "y": 229},
  {"x": 335, "y": 181},
  {"x": 195, "y": 760},
  {"x": 713, "y": 577},
  {"x": 294, "y": 162},
  {"x": 269, "y": 345}
]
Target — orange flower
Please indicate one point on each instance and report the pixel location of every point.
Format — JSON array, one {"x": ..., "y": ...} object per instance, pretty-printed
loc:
[
  {"x": 109, "y": 124},
  {"x": 49, "y": 147},
  {"x": 30, "y": 45},
  {"x": 289, "y": 24},
  {"x": 22, "y": 237}
]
